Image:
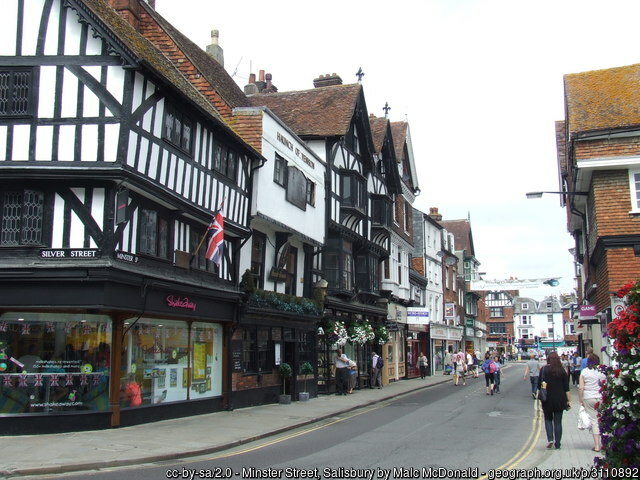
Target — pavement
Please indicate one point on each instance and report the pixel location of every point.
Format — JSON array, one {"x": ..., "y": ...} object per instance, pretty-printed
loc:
[{"x": 51, "y": 454}]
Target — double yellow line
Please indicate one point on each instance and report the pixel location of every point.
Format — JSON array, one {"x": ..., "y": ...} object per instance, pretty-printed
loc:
[{"x": 529, "y": 445}]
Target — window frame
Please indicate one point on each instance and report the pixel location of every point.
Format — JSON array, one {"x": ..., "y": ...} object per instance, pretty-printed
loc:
[
  {"x": 634, "y": 190},
  {"x": 40, "y": 241},
  {"x": 356, "y": 195},
  {"x": 163, "y": 238},
  {"x": 29, "y": 97},
  {"x": 257, "y": 351},
  {"x": 280, "y": 171},
  {"x": 180, "y": 121}
]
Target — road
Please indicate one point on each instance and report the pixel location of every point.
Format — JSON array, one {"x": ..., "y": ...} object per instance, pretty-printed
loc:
[{"x": 444, "y": 427}]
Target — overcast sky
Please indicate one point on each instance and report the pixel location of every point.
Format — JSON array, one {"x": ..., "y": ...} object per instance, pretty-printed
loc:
[{"x": 480, "y": 82}]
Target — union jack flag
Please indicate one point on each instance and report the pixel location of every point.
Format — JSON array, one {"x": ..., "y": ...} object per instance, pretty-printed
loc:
[{"x": 215, "y": 244}]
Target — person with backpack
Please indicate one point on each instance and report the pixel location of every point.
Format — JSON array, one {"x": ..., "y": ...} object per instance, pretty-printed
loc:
[
  {"x": 489, "y": 368},
  {"x": 376, "y": 370},
  {"x": 497, "y": 374}
]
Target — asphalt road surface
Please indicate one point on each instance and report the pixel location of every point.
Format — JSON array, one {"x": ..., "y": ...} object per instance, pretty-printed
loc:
[{"x": 426, "y": 434}]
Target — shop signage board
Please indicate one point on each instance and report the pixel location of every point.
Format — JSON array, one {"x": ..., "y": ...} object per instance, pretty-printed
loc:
[
  {"x": 69, "y": 253},
  {"x": 418, "y": 316}
]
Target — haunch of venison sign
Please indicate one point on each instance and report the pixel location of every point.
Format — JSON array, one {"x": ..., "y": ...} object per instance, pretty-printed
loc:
[{"x": 69, "y": 253}]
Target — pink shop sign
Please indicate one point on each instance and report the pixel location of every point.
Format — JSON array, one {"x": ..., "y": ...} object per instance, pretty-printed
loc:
[
  {"x": 180, "y": 302},
  {"x": 588, "y": 311}
]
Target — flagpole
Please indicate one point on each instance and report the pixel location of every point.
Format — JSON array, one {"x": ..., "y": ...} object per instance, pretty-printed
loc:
[{"x": 216, "y": 211}]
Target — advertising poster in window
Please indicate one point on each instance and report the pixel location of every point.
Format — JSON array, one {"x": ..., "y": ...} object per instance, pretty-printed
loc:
[{"x": 199, "y": 362}]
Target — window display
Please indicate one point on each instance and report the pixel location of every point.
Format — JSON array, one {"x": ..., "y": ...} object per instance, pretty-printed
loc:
[
  {"x": 160, "y": 364},
  {"x": 54, "y": 362}
]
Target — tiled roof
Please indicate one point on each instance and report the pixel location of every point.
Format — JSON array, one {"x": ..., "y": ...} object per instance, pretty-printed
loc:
[
  {"x": 323, "y": 112},
  {"x": 399, "y": 133},
  {"x": 378, "y": 131},
  {"x": 461, "y": 230},
  {"x": 148, "y": 56},
  {"x": 603, "y": 99},
  {"x": 214, "y": 73}
]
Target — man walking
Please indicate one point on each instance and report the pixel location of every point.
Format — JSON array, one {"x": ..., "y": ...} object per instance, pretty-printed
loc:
[
  {"x": 376, "y": 370},
  {"x": 532, "y": 371}
]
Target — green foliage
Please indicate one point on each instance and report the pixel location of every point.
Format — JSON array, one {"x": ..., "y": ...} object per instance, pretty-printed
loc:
[
  {"x": 306, "y": 368},
  {"x": 247, "y": 284},
  {"x": 285, "y": 303},
  {"x": 382, "y": 335},
  {"x": 286, "y": 371}
]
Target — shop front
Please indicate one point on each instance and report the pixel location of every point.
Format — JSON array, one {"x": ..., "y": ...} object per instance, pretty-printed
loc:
[
  {"x": 99, "y": 355},
  {"x": 443, "y": 338}
]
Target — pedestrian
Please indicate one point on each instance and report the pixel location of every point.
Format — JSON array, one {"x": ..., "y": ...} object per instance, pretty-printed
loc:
[
  {"x": 554, "y": 378},
  {"x": 376, "y": 370},
  {"x": 448, "y": 363},
  {"x": 591, "y": 379},
  {"x": 352, "y": 375},
  {"x": 583, "y": 362},
  {"x": 497, "y": 374},
  {"x": 565, "y": 363},
  {"x": 489, "y": 369},
  {"x": 575, "y": 363},
  {"x": 461, "y": 368},
  {"x": 422, "y": 365},
  {"x": 476, "y": 365},
  {"x": 342, "y": 372},
  {"x": 469, "y": 359},
  {"x": 532, "y": 371}
]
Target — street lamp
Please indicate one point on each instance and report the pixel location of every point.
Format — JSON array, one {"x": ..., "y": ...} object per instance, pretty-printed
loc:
[
  {"x": 553, "y": 282},
  {"x": 539, "y": 194}
]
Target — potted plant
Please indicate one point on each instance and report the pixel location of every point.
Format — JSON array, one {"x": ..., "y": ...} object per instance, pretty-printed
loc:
[
  {"x": 305, "y": 369},
  {"x": 285, "y": 371}
]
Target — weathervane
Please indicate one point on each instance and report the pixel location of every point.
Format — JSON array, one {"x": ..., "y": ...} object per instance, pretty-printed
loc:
[
  {"x": 360, "y": 74},
  {"x": 386, "y": 109}
]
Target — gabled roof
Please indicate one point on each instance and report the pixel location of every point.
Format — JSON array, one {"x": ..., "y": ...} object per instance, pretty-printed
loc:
[
  {"x": 210, "y": 69},
  {"x": 381, "y": 131},
  {"x": 461, "y": 230},
  {"x": 402, "y": 138},
  {"x": 141, "y": 53},
  {"x": 320, "y": 112},
  {"x": 603, "y": 99}
]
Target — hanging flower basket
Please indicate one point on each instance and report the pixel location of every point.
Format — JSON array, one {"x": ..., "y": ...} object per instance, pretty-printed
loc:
[
  {"x": 619, "y": 411},
  {"x": 361, "y": 332},
  {"x": 382, "y": 335},
  {"x": 336, "y": 333}
]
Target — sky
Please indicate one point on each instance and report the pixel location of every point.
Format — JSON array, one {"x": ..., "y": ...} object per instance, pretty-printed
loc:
[{"x": 479, "y": 81}]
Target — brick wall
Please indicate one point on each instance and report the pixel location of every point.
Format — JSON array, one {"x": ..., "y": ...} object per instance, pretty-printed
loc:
[
  {"x": 614, "y": 147},
  {"x": 612, "y": 203}
]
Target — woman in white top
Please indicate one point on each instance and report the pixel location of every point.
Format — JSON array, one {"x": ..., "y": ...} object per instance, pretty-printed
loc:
[{"x": 591, "y": 378}]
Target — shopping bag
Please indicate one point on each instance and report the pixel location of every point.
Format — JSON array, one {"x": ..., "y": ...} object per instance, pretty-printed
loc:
[{"x": 584, "y": 422}]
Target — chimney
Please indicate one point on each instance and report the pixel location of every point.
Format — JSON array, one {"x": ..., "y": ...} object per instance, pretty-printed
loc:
[
  {"x": 433, "y": 213},
  {"x": 129, "y": 10},
  {"x": 327, "y": 80},
  {"x": 214, "y": 50},
  {"x": 270, "y": 88},
  {"x": 261, "y": 84},
  {"x": 251, "y": 88}
]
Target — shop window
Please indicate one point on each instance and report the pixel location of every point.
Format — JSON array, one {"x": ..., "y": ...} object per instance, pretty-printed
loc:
[
  {"x": 206, "y": 360},
  {"x": 16, "y": 92},
  {"x": 54, "y": 362},
  {"x": 22, "y": 217},
  {"x": 257, "y": 350},
  {"x": 153, "y": 234}
]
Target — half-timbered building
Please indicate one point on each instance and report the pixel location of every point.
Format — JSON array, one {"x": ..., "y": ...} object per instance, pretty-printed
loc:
[
  {"x": 332, "y": 119},
  {"x": 281, "y": 262},
  {"x": 112, "y": 163}
]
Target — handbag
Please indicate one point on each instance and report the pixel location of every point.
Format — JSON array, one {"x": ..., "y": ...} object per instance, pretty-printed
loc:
[
  {"x": 542, "y": 391},
  {"x": 584, "y": 421}
]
